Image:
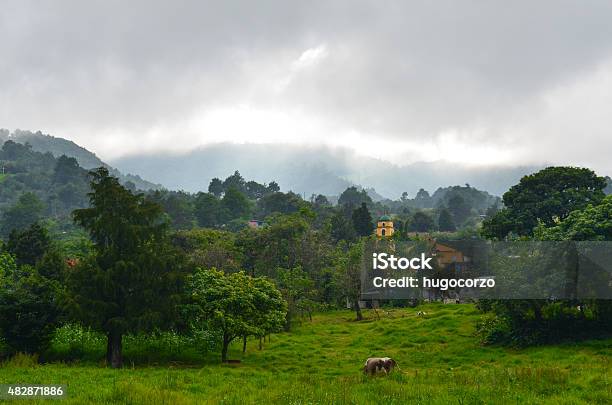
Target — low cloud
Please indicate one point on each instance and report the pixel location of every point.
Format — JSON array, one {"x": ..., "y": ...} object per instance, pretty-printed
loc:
[{"x": 493, "y": 82}]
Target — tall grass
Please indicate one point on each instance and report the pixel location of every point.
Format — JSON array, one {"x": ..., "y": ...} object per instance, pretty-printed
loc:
[{"x": 74, "y": 342}]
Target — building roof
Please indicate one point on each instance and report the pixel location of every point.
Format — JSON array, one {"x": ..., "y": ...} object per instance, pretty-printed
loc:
[{"x": 385, "y": 218}]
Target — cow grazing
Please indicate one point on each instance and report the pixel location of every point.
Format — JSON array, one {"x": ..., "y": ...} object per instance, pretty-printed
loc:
[{"x": 375, "y": 365}]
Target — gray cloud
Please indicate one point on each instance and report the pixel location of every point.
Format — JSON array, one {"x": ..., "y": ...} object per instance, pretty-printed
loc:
[{"x": 529, "y": 80}]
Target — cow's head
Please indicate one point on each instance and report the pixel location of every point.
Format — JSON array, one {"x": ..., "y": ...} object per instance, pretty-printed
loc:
[{"x": 389, "y": 363}]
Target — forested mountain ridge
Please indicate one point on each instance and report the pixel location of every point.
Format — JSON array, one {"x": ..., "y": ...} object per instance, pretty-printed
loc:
[
  {"x": 35, "y": 185},
  {"x": 59, "y": 146},
  {"x": 34, "y": 180},
  {"x": 38, "y": 186}
]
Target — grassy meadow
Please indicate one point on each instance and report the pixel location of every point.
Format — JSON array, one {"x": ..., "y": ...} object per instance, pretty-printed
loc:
[{"x": 440, "y": 359}]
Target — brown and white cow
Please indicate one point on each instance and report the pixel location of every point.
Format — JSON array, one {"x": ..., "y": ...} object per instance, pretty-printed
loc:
[{"x": 375, "y": 365}]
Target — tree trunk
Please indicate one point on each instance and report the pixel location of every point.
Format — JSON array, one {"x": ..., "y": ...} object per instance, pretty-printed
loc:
[
  {"x": 357, "y": 310},
  {"x": 260, "y": 343},
  {"x": 108, "y": 349},
  {"x": 226, "y": 342},
  {"x": 114, "y": 349},
  {"x": 244, "y": 344},
  {"x": 288, "y": 321}
]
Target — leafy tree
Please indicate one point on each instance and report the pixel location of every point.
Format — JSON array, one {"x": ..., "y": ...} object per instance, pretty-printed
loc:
[
  {"x": 285, "y": 243},
  {"x": 296, "y": 288},
  {"x": 459, "y": 209},
  {"x": 8, "y": 264},
  {"x": 70, "y": 195},
  {"x": 284, "y": 203},
  {"x": 67, "y": 170},
  {"x": 216, "y": 187},
  {"x": 208, "y": 210},
  {"x": 235, "y": 304},
  {"x": 236, "y": 203},
  {"x": 254, "y": 190},
  {"x": 320, "y": 201},
  {"x": 24, "y": 213},
  {"x": 235, "y": 181},
  {"x": 29, "y": 245},
  {"x": 53, "y": 264},
  {"x": 348, "y": 276},
  {"x": 13, "y": 151},
  {"x": 445, "y": 221},
  {"x": 353, "y": 197},
  {"x": 273, "y": 187},
  {"x": 179, "y": 207},
  {"x": 473, "y": 199},
  {"x": 29, "y": 311},
  {"x": 29, "y": 295},
  {"x": 362, "y": 220},
  {"x": 420, "y": 222},
  {"x": 547, "y": 196},
  {"x": 208, "y": 248},
  {"x": 341, "y": 227},
  {"x": 423, "y": 199},
  {"x": 591, "y": 223},
  {"x": 132, "y": 281},
  {"x": 535, "y": 321}
]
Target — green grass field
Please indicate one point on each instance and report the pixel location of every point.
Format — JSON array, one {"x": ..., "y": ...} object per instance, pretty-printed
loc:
[{"x": 440, "y": 359}]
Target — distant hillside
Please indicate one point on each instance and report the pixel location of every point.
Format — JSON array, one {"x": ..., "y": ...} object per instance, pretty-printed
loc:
[
  {"x": 37, "y": 185},
  {"x": 58, "y": 146},
  {"x": 315, "y": 170}
]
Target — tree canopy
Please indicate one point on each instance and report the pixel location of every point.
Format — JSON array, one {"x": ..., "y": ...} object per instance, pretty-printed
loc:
[
  {"x": 235, "y": 304},
  {"x": 548, "y": 196}
]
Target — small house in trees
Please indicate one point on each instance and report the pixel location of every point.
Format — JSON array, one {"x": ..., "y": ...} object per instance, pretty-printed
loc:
[
  {"x": 384, "y": 227},
  {"x": 255, "y": 224},
  {"x": 453, "y": 254}
]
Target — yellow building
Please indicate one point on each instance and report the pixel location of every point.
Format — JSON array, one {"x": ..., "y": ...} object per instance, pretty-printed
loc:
[{"x": 384, "y": 226}]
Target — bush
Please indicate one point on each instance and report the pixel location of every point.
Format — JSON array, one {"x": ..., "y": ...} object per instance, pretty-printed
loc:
[
  {"x": 492, "y": 329},
  {"x": 528, "y": 322},
  {"x": 28, "y": 311},
  {"x": 74, "y": 342},
  {"x": 22, "y": 360}
]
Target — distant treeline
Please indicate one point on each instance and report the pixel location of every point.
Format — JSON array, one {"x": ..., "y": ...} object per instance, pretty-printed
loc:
[{"x": 39, "y": 186}]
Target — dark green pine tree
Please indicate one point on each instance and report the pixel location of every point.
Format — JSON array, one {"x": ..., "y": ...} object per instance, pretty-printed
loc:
[
  {"x": 132, "y": 281},
  {"x": 445, "y": 221},
  {"x": 362, "y": 220}
]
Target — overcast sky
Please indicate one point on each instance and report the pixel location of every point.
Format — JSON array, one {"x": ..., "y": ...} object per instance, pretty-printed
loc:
[{"x": 473, "y": 81}]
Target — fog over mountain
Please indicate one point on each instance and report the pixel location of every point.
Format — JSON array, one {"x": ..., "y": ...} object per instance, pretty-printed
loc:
[
  {"x": 496, "y": 82},
  {"x": 308, "y": 170}
]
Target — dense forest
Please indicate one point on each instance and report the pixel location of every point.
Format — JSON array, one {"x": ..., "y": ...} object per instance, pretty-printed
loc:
[{"x": 57, "y": 147}]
